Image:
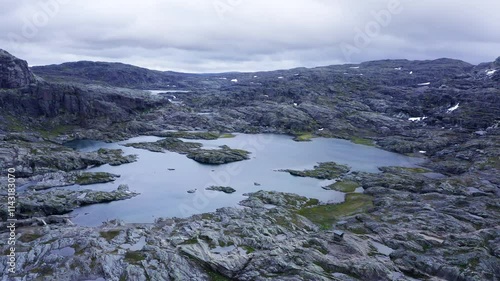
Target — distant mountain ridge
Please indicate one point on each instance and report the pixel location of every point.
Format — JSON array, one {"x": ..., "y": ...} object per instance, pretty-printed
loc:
[
  {"x": 129, "y": 76},
  {"x": 108, "y": 73}
]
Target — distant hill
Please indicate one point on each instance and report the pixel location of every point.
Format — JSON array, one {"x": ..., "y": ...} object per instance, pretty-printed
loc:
[
  {"x": 111, "y": 74},
  {"x": 129, "y": 76}
]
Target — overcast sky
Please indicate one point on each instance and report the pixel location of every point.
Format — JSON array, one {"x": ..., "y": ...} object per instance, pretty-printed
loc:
[{"x": 248, "y": 35}]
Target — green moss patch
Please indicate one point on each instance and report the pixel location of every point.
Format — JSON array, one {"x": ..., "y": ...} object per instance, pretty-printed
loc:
[
  {"x": 215, "y": 276},
  {"x": 109, "y": 235},
  {"x": 43, "y": 271},
  {"x": 303, "y": 137},
  {"x": 226, "y": 136},
  {"x": 55, "y": 131},
  {"x": 134, "y": 257},
  {"x": 362, "y": 141},
  {"x": 248, "y": 249},
  {"x": 326, "y": 215},
  {"x": 344, "y": 186},
  {"x": 29, "y": 237}
]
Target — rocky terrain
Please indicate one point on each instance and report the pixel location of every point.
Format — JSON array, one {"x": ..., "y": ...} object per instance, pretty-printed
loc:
[{"x": 438, "y": 222}]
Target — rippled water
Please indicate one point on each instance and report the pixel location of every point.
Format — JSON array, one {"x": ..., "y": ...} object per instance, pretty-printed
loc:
[{"x": 164, "y": 191}]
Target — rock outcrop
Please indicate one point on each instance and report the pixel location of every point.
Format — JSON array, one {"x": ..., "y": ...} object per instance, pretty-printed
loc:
[{"x": 14, "y": 73}]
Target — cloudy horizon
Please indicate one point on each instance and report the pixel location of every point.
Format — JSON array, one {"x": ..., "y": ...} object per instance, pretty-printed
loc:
[{"x": 243, "y": 35}]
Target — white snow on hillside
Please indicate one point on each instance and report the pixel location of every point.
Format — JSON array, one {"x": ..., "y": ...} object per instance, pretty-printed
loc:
[
  {"x": 490, "y": 72},
  {"x": 416, "y": 119},
  {"x": 451, "y": 109}
]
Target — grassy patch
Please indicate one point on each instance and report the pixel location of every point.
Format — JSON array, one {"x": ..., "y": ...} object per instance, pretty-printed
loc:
[
  {"x": 43, "y": 271},
  {"x": 109, "y": 235},
  {"x": 134, "y": 257},
  {"x": 362, "y": 141},
  {"x": 326, "y": 215},
  {"x": 207, "y": 216},
  {"x": 55, "y": 131},
  {"x": 248, "y": 249},
  {"x": 226, "y": 136},
  {"x": 490, "y": 163},
  {"x": 28, "y": 237},
  {"x": 358, "y": 230},
  {"x": 14, "y": 124},
  {"x": 215, "y": 276},
  {"x": 344, "y": 186},
  {"x": 311, "y": 202},
  {"x": 303, "y": 137}
]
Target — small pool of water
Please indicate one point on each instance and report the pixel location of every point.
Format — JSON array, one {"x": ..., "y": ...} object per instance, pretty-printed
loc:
[
  {"x": 65, "y": 252},
  {"x": 164, "y": 191}
]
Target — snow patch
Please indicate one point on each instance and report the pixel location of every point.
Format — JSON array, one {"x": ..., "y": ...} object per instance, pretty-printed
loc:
[
  {"x": 354, "y": 67},
  {"x": 416, "y": 119},
  {"x": 424, "y": 84},
  {"x": 281, "y": 77},
  {"x": 411, "y": 72},
  {"x": 490, "y": 72},
  {"x": 295, "y": 104},
  {"x": 451, "y": 109},
  {"x": 398, "y": 68},
  {"x": 234, "y": 80},
  {"x": 255, "y": 76},
  {"x": 422, "y": 152}
]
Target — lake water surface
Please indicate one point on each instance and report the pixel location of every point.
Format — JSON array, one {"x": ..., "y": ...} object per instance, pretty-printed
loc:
[{"x": 164, "y": 192}]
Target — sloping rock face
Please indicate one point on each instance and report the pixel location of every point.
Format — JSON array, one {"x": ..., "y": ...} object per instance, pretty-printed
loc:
[
  {"x": 14, "y": 73},
  {"x": 24, "y": 99}
]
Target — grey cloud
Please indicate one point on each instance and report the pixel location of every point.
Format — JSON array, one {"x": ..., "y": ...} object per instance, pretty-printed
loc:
[{"x": 245, "y": 35}]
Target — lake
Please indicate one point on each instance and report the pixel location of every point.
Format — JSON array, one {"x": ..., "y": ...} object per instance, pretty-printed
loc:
[{"x": 163, "y": 179}]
